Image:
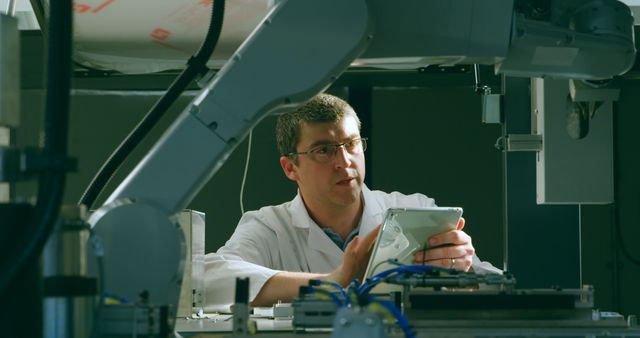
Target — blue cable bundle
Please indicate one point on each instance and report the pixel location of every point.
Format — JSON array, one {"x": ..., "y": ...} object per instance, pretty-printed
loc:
[{"x": 359, "y": 294}]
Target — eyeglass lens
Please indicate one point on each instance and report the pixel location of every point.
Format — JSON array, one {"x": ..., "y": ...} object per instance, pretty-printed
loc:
[{"x": 327, "y": 152}]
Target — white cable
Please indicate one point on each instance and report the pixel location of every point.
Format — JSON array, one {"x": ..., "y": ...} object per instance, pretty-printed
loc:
[{"x": 246, "y": 168}]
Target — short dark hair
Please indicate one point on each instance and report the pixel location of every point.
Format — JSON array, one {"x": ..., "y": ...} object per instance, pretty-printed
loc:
[{"x": 321, "y": 108}]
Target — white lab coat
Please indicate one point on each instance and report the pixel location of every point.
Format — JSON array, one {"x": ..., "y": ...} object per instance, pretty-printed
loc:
[{"x": 285, "y": 238}]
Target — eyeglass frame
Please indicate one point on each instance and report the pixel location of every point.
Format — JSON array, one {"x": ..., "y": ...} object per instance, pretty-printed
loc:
[{"x": 363, "y": 144}]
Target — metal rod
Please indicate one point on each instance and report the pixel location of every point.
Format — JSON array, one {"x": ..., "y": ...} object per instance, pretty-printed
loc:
[{"x": 11, "y": 8}]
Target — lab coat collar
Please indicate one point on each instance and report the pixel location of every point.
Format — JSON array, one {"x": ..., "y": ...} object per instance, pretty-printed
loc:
[
  {"x": 299, "y": 215},
  {"x": 372, "y": 215},
  {"x": 316, "y": 239},
  {"x": 373, "y": 212}
]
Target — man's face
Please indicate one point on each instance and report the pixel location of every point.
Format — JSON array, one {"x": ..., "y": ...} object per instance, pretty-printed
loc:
[{"x": 337, "y": 183}]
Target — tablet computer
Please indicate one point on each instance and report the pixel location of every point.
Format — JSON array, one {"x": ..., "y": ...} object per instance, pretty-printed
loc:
[{"x": 405, "y": 231}]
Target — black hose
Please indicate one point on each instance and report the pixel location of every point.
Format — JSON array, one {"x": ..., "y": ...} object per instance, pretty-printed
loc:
[
  {"x": 196, "y": 65},
  {"x": 51, "y": 182},
  {"x": 617, "y": 224}
]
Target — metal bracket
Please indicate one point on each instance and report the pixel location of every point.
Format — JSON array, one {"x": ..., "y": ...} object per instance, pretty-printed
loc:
[
  {"x": 519, "y": 142},
  {"x": 491, "y": 107}
]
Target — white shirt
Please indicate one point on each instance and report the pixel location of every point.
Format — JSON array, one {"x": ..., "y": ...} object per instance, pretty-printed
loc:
[{"x": 285, "y": 238}]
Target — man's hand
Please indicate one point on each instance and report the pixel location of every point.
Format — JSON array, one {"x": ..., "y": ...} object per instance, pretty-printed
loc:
[
  {"x": 284, "y": 285},
  {"x": 452, "y": 249},
  {"x": 355, "y": 259}
]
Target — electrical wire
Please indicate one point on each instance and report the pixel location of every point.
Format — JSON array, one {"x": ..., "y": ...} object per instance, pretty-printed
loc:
[
  {"x": 388, "y": 261},
  {"x": 246, "y": 169},
  {"x": 380, "y": 277},
  {"x": 370, "y": 301},
  {"x": 623, "y": 246},
  {"x": 329, "y": 294},
  {"x": 334, "y": 285},
  {"x": 401, "y": 320},
  {"x": 359, "y": 295},
  {"x": 616, "y": 188},
  {"x": 195, "y": 66}
]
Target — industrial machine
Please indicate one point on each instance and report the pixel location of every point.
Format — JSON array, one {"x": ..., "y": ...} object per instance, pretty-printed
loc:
[
  {"x": 434, "y": 302},
  {"x": 442, "y": 302},
  {"x": 142, "y": 250}
]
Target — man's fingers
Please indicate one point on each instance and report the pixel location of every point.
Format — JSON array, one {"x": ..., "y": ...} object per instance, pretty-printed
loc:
[
  {"x": 445, "y": 252},
  {"x": 460, "y": 223},
  {"x": 356, "y": 256},
  {"x": 458, "y": 263},
  {"x": 370, "y": 238},
  {"x": 353, "y": 247},
  {"x": 456, "y": 237}
]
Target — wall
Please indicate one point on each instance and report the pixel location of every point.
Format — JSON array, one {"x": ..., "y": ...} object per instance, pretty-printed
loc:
[
  {"x": 427, "y": 140},
  {"x": 611, "y": 256},
  {"x": 431, "y": 140}
]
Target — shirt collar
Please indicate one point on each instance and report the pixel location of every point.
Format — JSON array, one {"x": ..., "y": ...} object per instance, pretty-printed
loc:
[{"x": 338, "y": 241}]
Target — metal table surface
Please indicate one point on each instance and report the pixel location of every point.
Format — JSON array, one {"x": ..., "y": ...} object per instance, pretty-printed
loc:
[{"x": 220, "y": 326}]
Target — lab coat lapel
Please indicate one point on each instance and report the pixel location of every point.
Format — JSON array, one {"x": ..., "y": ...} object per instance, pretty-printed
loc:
[
  {"x": 321, "y": 254},
  {"x": 373, "y": 212}
]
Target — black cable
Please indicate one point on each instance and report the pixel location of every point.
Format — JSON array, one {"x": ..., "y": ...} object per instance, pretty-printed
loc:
[
  {"x": 195, "y": 66},
  {"x": 622, "y": 246},
  {"x": 51, "y": 182},
  {"x": 616, "y": 185}
]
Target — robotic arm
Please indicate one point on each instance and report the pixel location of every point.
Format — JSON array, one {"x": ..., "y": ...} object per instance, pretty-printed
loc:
[
  {"x": 298, "y": 50},
  {"x": 305, "y": 45}
]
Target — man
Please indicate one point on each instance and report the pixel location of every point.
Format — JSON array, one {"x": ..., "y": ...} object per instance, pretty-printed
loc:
[{"x": 327, "y": 231}]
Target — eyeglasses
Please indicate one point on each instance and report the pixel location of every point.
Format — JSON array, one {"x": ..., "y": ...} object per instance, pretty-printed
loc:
[{"x": 326, "y": 152}]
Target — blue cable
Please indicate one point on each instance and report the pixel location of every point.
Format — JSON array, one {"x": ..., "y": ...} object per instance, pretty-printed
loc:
[
  {"x": 331, "y": 295},
  {"x": 337, "y": 287},
  {"x": 374, "y": 280},
  {"x": 366, "y": 287},
  {"x": 369, "y": 284},
  {"x": 402, "y": 321}
]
